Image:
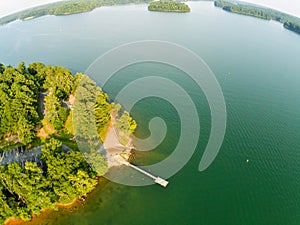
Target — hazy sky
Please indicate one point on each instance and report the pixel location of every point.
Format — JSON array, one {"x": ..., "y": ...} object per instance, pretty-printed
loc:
[
  {"x": 289, "y": 6},
  {"x": 10, "y": 6}
]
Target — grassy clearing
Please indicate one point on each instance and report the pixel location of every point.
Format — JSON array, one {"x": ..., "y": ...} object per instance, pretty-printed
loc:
[
  {"x": 69, "y": 123},
  {"x": 46, "y": 130}
]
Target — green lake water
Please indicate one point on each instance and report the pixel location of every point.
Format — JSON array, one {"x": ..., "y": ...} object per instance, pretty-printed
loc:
[{"x": 257, "y": 65}]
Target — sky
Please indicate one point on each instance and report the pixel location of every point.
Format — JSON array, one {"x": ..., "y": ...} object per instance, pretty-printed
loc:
[
  {"x": 288, "y": 6},
  {"x": 10, "y": 6}
]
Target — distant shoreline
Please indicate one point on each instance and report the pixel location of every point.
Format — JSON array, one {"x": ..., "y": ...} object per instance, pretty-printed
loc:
[
  {"x": 289, "y": 22},
  {"x": 63, "y": 8}
]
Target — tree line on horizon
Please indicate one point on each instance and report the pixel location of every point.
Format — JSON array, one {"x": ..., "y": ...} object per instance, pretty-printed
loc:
[
  {"x": 289, "y": 22},
  {"x": 64, "y": 8}
]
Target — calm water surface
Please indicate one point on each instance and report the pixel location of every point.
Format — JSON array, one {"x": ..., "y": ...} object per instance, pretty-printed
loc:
[{"x": 257, "y": 65}]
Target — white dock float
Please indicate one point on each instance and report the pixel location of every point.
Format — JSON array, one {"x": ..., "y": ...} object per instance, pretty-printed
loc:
[{"x": 161, "y": 181}]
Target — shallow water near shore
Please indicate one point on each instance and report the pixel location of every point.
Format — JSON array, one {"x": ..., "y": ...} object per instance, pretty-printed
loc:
[{"x": 257, "y": 65}]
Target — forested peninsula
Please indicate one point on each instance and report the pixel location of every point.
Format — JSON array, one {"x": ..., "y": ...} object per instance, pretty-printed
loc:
[
  {"x": 36, "y": 107},
  {"x": 64, "y": 8},
  {"x": 168, "y": 6},
  {"x": 289, "y": 22}
]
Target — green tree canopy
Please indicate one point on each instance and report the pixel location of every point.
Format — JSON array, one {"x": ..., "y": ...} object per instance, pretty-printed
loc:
[{"x": 168, "y": 6}]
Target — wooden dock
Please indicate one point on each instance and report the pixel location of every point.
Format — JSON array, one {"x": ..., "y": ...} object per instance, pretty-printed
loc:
[{"x": 157, "y": 180}]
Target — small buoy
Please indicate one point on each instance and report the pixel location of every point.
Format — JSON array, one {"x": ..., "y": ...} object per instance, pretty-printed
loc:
[{"x": 247, "y": 160}]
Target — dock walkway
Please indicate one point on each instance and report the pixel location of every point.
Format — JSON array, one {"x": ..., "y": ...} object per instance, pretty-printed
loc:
[{"x": 157, "y": 180}]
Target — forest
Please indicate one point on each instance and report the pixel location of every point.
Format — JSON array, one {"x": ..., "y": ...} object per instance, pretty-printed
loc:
[
  {"x": 28, "y": 190},
  {"x": 289, "y": 22},
  {"x": 36, "y": 109},
  {"x": 26, "y": 118},
  {"x": 63, "y": 8},
  {"x": 168, "y": 6}
]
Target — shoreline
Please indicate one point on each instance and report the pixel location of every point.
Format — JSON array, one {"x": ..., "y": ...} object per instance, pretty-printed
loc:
[
  {"x": 50, "y": 215},
  {"x": 22, "y": 15},
  {"x": 290, "y": 25},
  {"x": 14, "y": 221},
  {"x": 67, "y": 204},
  {"x": 288, "y": 21},
  {"x": 76, "y": 201},
  {"x": 169, "y": 11}
]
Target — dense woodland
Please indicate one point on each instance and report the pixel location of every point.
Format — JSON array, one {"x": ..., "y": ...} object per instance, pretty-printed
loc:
[
  {"x": 27, "y": 119},
  {"x": 28, "y": 190},
  {"x": 293, "y": 26},
  {"x": 168, "y": 6},
  {"x": 21, "y": 115},
  {"x": 64, "y": 8},
  {"x": 289, "y": 22},
  {"x": 18, "y": 102}
]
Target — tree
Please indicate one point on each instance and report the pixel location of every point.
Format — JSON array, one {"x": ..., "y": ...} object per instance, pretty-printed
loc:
[
  {"x": 97, "y": 161},
  {"x": 59, "y": 81},
  {"x": 69, "y": 173},
  {"x": 18, "y": 103},
  {"x": 37, "y": 69},
  {"x": 2, "y": 68},
  {"x": 102, "y": 113},
  {"x": 126, "y": 123}
]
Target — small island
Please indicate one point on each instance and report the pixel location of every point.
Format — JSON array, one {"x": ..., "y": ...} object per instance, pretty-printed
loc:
[{"x": 169, "y": 6}]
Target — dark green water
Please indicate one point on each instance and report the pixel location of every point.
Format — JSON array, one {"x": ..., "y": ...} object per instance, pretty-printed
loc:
[{"x": 257, "y": 65}]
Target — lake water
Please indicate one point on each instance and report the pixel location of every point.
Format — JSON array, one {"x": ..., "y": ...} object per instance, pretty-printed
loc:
[{"x": 257, "y": 65}]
